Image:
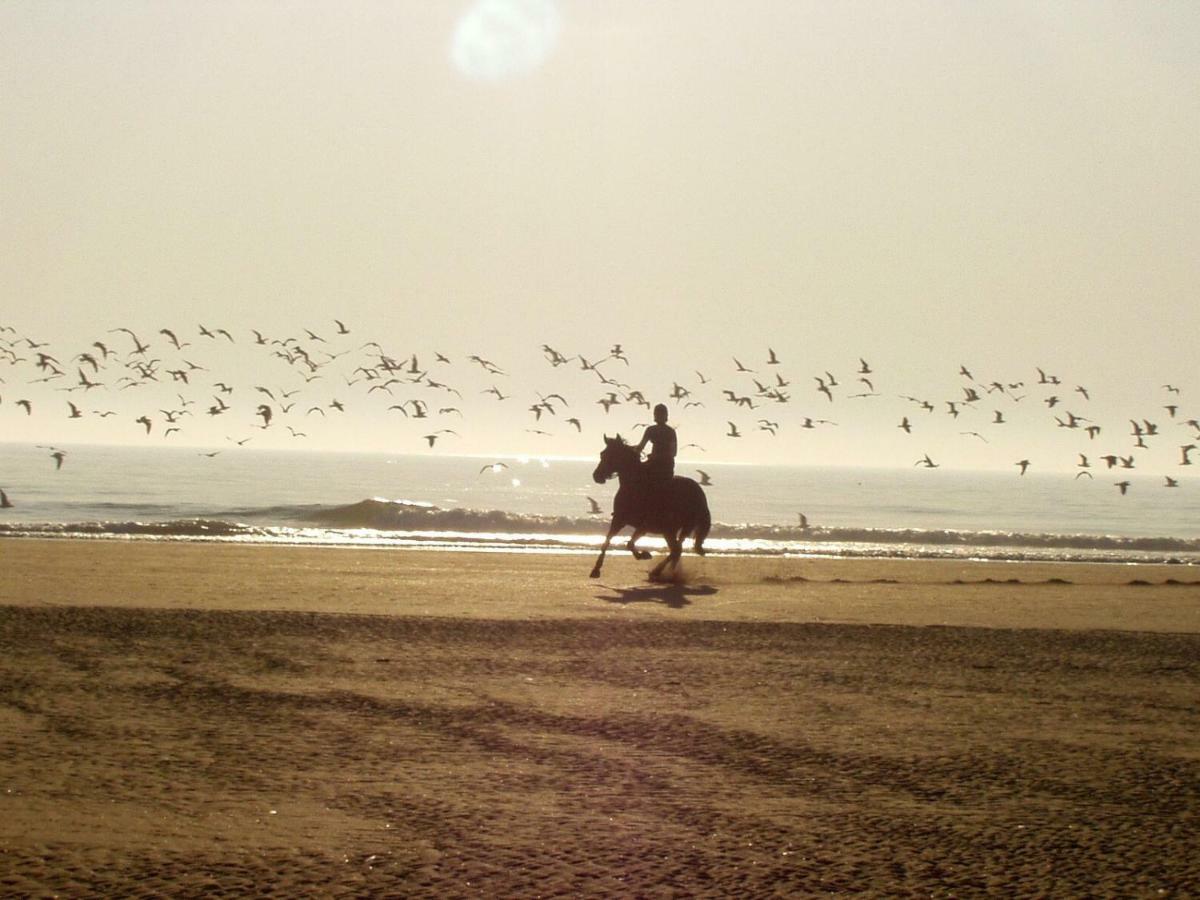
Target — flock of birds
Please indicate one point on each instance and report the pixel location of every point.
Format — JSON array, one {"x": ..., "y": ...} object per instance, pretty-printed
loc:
[{"x": 161, "y": 385}]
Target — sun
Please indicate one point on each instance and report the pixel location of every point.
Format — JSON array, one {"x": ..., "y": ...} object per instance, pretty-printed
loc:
[{"x": 499, "y": 39}]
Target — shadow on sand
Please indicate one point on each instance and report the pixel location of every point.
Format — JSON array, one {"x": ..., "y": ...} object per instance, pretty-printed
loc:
[{"x": 673, "y": 596}]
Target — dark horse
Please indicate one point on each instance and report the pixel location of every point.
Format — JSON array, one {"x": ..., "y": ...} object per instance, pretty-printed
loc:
[{"x": 676, "y": 509}]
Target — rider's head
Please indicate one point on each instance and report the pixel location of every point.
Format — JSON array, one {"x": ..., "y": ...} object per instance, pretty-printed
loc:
[{"x": 660, "y": 414}]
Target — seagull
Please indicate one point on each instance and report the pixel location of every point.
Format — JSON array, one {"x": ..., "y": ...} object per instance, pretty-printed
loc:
[
  {"x": 144, "y": 420},
  {"x": 138, "y": 346},
  {"x": 1171, "y": 482},
  {"x": 1024, "y": 465},
  {"x": 905, "y": 425},
  {"x": 58, "y": 456},
  {"x": 5, "y": 503},
  {"x": 733, "y": 432},
  {"x": 493, "y": 467},
  {"x": 705, "y": 481},
  {"x": 1123, "y": 485},
  {"x": 1185, "y": 449},
  {"x": 772, "y": 359},
  {"x": 595, "y": 507},
  {"x": 926, "y": 462}
]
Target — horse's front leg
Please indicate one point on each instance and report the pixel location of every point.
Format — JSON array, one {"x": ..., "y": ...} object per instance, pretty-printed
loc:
[
  {"x": 613, "y": 528},
  {"x": 637, "y": 554}
]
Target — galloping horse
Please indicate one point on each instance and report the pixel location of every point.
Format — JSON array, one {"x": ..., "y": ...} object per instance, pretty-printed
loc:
[{"x": 676, "y": 509}]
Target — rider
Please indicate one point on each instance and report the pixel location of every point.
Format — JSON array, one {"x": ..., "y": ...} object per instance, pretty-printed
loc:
[{"x": 660, "y": 466}]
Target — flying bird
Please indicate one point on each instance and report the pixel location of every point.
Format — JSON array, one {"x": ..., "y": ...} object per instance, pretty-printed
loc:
[{"x": 705, "y": 481}]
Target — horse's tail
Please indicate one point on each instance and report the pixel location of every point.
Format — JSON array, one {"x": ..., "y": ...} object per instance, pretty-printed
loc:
[{"x": 703, "y": 524}]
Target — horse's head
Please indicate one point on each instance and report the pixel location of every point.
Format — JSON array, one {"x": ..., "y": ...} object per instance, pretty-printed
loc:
[{"x": 615, "y": 457}]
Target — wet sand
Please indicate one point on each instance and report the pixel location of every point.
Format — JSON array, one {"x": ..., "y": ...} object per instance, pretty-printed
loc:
[{"x": 191, "y": 720}]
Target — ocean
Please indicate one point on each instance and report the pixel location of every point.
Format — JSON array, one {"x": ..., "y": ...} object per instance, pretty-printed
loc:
[{"x": 527, "y": 504}]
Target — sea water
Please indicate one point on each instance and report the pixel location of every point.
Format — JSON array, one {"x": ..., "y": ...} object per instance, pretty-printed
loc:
[{"x": 533, "y": 504}]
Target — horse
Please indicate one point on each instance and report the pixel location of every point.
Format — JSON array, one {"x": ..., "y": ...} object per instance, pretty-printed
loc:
[{"x": 675, "y": 509}]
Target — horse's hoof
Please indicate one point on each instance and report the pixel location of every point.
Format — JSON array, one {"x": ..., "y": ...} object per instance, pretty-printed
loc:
[
  {"x": 595, "y": 573},
  {"x": 643, "y": 554}
]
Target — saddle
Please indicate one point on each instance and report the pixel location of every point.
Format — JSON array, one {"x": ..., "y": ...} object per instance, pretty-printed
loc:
[{"x": 657, "y": 475}]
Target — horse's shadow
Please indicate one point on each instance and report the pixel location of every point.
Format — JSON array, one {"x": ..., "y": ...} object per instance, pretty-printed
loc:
[{"x": 672, "y": 596}]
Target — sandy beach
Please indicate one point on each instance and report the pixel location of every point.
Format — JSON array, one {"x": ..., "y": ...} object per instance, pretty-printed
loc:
[{"x": 198, "y": 719}]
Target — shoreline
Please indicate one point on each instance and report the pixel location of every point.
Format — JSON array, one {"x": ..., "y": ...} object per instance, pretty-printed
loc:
[{"x": 389, "y": 581}]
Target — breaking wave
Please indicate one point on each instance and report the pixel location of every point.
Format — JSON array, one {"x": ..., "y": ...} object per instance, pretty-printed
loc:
[{"x": 405, "y": 523}]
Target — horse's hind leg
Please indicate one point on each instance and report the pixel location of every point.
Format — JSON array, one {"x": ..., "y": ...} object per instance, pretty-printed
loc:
[{"x": 675, "y": 543}]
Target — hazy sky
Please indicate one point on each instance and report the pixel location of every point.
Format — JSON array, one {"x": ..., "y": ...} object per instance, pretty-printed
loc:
[{"x": 924, "y": 185}]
